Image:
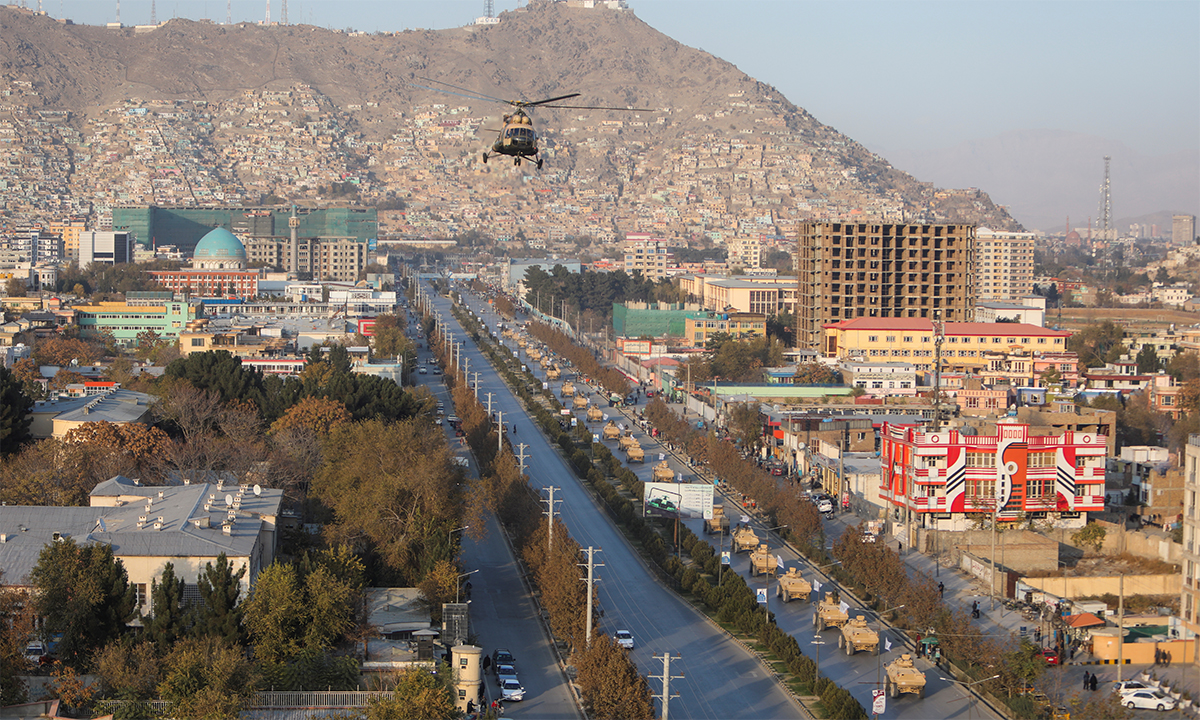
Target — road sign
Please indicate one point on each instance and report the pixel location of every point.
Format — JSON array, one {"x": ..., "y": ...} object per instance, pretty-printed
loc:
[
  {"x": 879, "y": 704},
  {"x": 595, "y": 438},
  {"x": 762, "y": 596},
  {"x": 724, "y": 557}
]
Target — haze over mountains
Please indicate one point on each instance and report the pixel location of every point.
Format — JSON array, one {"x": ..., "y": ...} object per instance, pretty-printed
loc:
[
  {"x": 719, "y": 145},
  {"x": 1036, "y": 175}
]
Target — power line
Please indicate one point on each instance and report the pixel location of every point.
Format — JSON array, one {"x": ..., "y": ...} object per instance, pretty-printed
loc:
[{"x": 666, "y": 677}]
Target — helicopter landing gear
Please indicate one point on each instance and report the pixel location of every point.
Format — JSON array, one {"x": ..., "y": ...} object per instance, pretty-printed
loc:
[
  {"x": 485, "y": 158},
  {"x": 539, "y": 163}
]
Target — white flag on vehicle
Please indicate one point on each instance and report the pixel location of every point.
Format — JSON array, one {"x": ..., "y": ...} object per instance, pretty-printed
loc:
[
  {"x": 843, "y": 606},
  {"x": 779, "y": 562},
  {"x": 816, "y": 586},
  {"x": 887, "y": 645},
  {"x": 745, "y": 519}
]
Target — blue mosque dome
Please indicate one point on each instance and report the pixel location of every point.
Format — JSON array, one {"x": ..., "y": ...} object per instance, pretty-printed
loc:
[{"x": 219, "y": 244}]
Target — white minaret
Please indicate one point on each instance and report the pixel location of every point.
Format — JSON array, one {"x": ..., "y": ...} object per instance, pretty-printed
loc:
[{"x": 294, "y": 245}]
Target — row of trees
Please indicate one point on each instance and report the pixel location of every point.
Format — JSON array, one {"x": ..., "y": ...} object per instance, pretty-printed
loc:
[
  {"x": 591, "y": 292},
  {"x": 584, "y": 361}
]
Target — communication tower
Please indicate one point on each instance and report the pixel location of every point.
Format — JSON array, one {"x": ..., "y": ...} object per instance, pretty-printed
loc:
[
  {"x": 268, "y": 20},
  {"x": 228, "y": 12},
  {"x": 489, "y": 8},
  {"x": 1106, "y": 202},
  {"x": 118, "y": 12},
  {"x": 283, "y": 14},
  {"x": 153, "y": 13}
]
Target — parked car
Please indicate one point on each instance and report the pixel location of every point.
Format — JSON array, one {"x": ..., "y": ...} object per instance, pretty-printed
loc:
[
  {"x": 511, "y": 691},
  {"x": 35, "y": 650},
  {"x": 824, "y": 505},
  {"x": 1050, "y": 656},
  {"x": 437, "y": 371},
  {"x": 501, "y": 656},
  {"x": 624, "y": 638},
  {"x": 421, "y": 369},
  {"x": 1129, "y": 686},
  {"x": 1148, "y": 699},
  {"x": 505, "y": 672}
]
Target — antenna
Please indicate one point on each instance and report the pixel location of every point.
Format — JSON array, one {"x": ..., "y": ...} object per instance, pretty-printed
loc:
[
  {"x": 489, "y": 9},
  {"x": 228, "y": 12},
  {"x": 118, "y": 12},
  {"x": 1106, "y": 201},
  {"x": 283, "y": 14},
  {"x": 153, "y": 12},
  {"x": 268, "y": 21}
]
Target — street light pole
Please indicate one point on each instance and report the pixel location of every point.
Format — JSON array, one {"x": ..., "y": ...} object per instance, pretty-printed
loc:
[
  {"x": 879, "y": 650},
  {"x": 450, "y": 534},
  {"x": 458, "y": 584},
  {"x": 968, "y": 686}
]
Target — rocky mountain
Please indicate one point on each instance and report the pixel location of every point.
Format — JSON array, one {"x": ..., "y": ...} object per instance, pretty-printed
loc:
[{"x": 202, "y": 113}]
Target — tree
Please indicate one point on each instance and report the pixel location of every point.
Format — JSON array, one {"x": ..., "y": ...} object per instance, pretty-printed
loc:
[
  {"x": 418, "y": 695},
  {"x": 27, "y": 372},
  {"x": 612, "y": 686},
  {"x": 316, "y": 415},
  {"x": 14, "y": 412},
  {"x": 1097, "y": 344},
  {"x": 746, "y": 425},
  {"x": 128, "y": 671},
  {"x": 15, "y": 287},
  {"x": 1090, "y": 535},
  {"x": 220, "y": 613},
  {"x": 63, "y": 351},
  {"x": 1147, "y": 360},
  {"x": 208, "y": 678},
  {"x": 16, "y": 626},
  {"x": 84, "y": 593},
  {"x": 290, "y": 612},
  {"x": 169, "y": 618}
]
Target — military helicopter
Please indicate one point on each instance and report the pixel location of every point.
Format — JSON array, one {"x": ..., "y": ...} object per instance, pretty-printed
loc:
[{"x": 517, "y": 139}]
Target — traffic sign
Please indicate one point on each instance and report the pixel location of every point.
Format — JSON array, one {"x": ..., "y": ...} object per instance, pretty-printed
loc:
[
  {"x": 879, "y": 704},
  {"x": 762, "y": 596},
  {"x": 724, "y": 557}
]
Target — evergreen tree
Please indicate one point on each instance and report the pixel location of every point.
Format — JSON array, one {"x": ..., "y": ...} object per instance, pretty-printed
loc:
[
  {"x": 14, "y": 412},
  {"x": 169, "y": 619},
  {"x": 220, "y": 613},
  {"x": 84, "y": 593},
  {"x": 1147, "y": 360}
]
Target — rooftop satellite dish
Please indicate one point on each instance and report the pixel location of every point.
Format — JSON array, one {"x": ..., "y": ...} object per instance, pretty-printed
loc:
[
  {"x": 257, "y": 489},
  {"x": 228, "y": 501}
]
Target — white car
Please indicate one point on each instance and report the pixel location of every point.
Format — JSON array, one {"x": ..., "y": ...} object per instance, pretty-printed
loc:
[
  {"x": 624, "y": 638},
  {"x": 511, "y": 691},
  {"x": 421, "y": 370},
  {"x": 1129, "y": 686},
  {"x": 824, "y": 506},
  {"x": 1148, "y": 699},
  {"x": 504, "y": 673}
]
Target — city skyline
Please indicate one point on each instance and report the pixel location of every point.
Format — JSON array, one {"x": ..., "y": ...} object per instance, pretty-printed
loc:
[{"x": 1019, "y": 120}]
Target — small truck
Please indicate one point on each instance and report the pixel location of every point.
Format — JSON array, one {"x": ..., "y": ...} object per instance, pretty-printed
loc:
[
  {"x": 857, "y": 636},
  {"x": 904, "y": 677},
  {"x": 663, "y": 472},
  {"x": 762, "y": 562},
  {"x": 718, "y": 523},
  {"x": 611, "y": 431},
  {"x": 635, "y": 453},
  {"x": 744, "y": 538},
  {"x": 829, "y": 614},
  {"x": 793, "y": 585},
  {"x": 594, "y": 414},
  {"x": 568, "y": 389}
]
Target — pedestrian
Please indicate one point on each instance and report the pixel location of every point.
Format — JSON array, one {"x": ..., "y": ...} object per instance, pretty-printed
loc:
[
  {"x": 1157, "y": 656},
  {"x": 487, "y": 663},
  {"x": 1094, "y": 683},
  {"x": 1168, "y": 654},
  {"x": 1071, "y": 652},
  {"x": 1087, "y": 679},
  {"x": 900, "y": 547},
  {"x": 941, "y": 590}
]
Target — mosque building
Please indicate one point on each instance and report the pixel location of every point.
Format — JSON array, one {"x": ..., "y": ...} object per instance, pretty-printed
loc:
[{"x": 218, "y": 270}]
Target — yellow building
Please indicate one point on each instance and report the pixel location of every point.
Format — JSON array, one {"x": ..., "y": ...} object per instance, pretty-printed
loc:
[
  {"x": 69, "y": 230},
  {"x": 740, "y": 325},
  {"x": 966, "y": 346},
  {"x": 766, "y": 295}
]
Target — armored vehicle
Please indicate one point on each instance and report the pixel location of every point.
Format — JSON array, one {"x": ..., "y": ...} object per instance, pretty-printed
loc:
[
  {"x": 552, "y": 373},
  {"x": 663, "y": 472},
  {"x": 762, "y": 562},
  {"x": 718, "y": 523},
  {"x": 857, "y": 636},
  {"x": 744, "y": 538},
  {"x": 594, "y": 414},
  {"x": 626, "y": 440},
  {"x": 904, "y": 677},
  {"x": 580, "y": 402},
  {"x": 829, "y": 614},
  {"x": 568, "y": 389},
  {"x": 611, "y": 431},
  {"x": 635, "y": 453},
  {"x": 793, "y": 585}
]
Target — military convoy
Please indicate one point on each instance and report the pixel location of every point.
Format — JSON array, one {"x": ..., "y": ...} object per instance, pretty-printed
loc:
[
  {"x": 857, "y": 636},
  {"x": 663, "y": 472},
  {"x": 594, "y": 414},
  {"x": 829, "y": 614},
  {"x": 793, "y": 585},
  {"x": 568, "y": 389},
  {"x": 904, "y": 677},
  {"x": 611, "y": 431},
  {"x": 744, "y": 538},
  {"x": 718, "y": 523},
  {"x": 762, "y": 562}
]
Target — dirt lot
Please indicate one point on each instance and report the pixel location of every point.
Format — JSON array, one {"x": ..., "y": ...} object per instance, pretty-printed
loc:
[{"x": 1130, "y": 318}]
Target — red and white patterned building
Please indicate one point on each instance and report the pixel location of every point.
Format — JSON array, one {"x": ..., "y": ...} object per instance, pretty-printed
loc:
[{"x": 947, "y": 479}]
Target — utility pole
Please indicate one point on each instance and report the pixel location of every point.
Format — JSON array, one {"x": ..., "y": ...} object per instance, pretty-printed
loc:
[
  {"x": 591, "y": 566},
  {"x": 550, "y": 516},
  {"x": 522, "y": 456},
  {"x": 939, "y": 334},
  {"x": 1120, "y": 625},
  {"x": 476, "y": 374},
  {"x": 995, "y": 518},
  {"x": 666, "y": 677},
  {"x": 500, "y": 432},
  {"x": 489, "y": 404}
]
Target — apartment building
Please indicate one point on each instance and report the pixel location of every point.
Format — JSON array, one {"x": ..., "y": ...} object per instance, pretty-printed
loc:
[
  {"x": 739, "y": 325},
  {"x": 881, "y": 270},
  {"x": 744, "y": 252},
  {"x": 650, "y": 256},
  {"x": 324, "y": 258},
  {"x": 743, "y": 293},
  {"x": 1189, "y": 603},
  {"x": 106, "y": 247},
  {"x": 946, "y": 479},
  {"x": 1003, "y": 264}
]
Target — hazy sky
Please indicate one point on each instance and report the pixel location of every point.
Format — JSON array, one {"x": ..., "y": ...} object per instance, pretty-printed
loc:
[{"x": 899, "y": 76}]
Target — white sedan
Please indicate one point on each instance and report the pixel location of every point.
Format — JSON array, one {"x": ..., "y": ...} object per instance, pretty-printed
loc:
[
  {"x": 624, "y": 638},
  {"x": 511, "y": 690},
  {"x": 1148, "y": 700}
]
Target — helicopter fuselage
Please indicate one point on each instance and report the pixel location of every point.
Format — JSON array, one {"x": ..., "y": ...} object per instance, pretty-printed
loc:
[{"x": 518, "y": 138}]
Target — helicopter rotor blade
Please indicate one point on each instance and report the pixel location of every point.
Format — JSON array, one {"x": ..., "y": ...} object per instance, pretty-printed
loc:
[
  {"x": 464, "y": 92},
  {"x": 522, "y": 103},
  {"x": 596, "y": 107}
]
